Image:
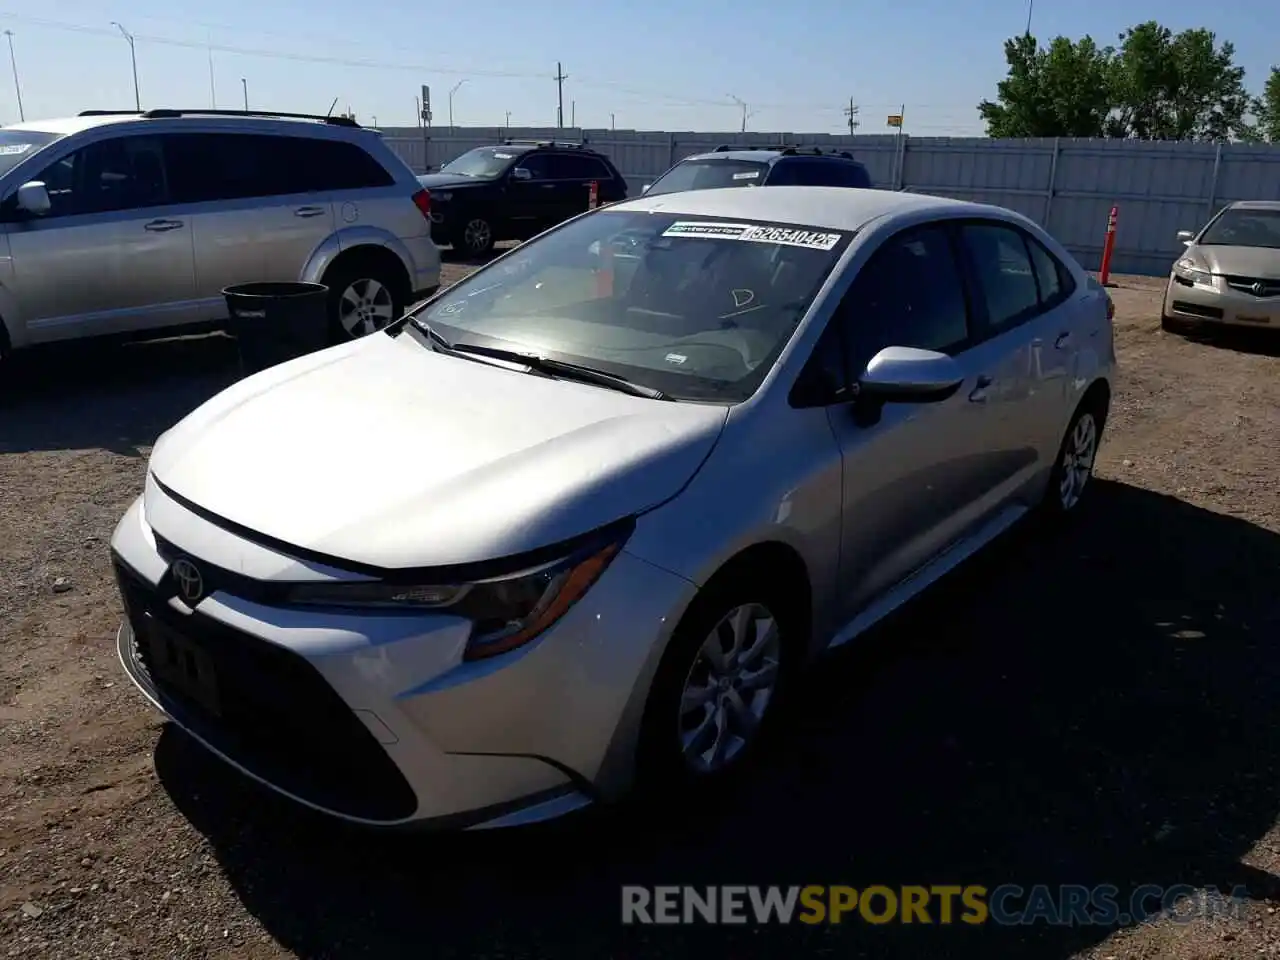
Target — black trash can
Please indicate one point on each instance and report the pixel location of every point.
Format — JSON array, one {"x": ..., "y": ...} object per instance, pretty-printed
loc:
[{"x": 275, "y": 321}]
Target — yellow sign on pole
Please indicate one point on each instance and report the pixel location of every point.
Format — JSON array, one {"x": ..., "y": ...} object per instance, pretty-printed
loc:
[{"x": 895, "y": 120}]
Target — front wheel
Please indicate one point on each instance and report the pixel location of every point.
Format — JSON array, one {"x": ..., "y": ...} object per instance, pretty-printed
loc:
[{"x": 716, "y": 687}]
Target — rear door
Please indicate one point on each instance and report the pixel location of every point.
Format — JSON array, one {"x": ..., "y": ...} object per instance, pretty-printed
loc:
[{"x": 256, "y": 214}]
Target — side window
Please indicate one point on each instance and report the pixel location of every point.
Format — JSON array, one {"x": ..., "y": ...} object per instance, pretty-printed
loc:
[
  {"x": 123, "y": 173},
  {"x": 582, "y": 168},
  {"x": 537, "y": 165},
  {"x": 233, "y": 166},
  {"x": 338, "y": 165},
  {"x": 851, "y": 175},
  {"x": 784, "y": 173},
  {"x": 1004, "y": 273},
  {"x": 1051, "y": 274},
  {"x": 908, "y": 294}
]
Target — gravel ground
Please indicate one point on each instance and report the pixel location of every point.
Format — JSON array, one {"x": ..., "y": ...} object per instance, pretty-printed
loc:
[{"x": 1096, "y": 708}]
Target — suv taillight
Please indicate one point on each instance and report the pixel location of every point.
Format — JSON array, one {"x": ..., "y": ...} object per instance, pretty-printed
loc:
[{"x": 422, "y": 200}]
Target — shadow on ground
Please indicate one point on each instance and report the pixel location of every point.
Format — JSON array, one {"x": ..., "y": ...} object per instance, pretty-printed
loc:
[
  {"x": 1263, "y": 343},
  {"x": 1096, "y": 707},
  {"x": 112, "y": 396}
]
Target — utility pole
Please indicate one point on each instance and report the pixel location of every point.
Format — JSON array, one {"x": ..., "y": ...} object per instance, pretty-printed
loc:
[
  {"x": 743, "y": 105},
  {"x": 1031, "y": 5},
  {"x": 133, "y": 59},
  {"x": 17, "y": 87},
  {"x": 244, "y": 85},
  {"x": 560, "y": 78},
  {"x": 851, "y": 111},
  {"x": 573, "y": 113},
  {"x": 508, "y": 122},
  {"x": 613, "y": 125}
]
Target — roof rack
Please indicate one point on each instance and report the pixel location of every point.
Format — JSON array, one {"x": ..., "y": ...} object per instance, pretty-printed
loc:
[
  {"x": 786, "y": 149},
  {"x": 572, "y": 144},
  {"x": 168, "y": 113}
]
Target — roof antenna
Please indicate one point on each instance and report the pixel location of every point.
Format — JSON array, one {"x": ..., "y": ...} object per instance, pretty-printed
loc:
[{"x": 329, "y": 113}]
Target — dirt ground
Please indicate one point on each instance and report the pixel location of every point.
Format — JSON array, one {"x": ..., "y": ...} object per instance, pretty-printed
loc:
[{"x": 1102, "y": 707}]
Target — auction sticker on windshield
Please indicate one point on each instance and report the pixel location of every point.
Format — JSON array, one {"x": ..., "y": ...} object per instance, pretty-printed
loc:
[{"x": 787, "y": 236}]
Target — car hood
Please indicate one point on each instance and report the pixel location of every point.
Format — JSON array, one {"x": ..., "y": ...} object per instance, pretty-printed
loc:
[
  {"x": 1241, "y": 261},
  {"x": 449, "y": 181},
  {"x": 387, "y": 454}
]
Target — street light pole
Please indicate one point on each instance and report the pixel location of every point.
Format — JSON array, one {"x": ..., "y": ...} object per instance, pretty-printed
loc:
[
  {"x": 244, "y": 85},
  {"x": 17, "y": 87},
  {"x": 451, "y": 93},
  {"x": 133, "y": 60}
]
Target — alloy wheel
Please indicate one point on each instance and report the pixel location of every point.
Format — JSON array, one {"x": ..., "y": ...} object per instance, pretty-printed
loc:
[
  {"x": 729, "y": 687},
  {"x": 1078, "y": 454},
  {"x": 477, "y": 235},
  {"x": 365, "y": 306}
]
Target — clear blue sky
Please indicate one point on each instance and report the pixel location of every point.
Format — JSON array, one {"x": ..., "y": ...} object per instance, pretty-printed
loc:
[{"x": 654, "y": 64}]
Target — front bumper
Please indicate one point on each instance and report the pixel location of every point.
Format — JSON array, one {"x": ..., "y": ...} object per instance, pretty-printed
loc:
[
  {"x": 1219, "y": 304},
  {"x": 375, "y": 719}
]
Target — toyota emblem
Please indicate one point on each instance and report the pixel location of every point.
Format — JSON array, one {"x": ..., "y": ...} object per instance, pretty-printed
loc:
[{"x": 187, "y": 578}]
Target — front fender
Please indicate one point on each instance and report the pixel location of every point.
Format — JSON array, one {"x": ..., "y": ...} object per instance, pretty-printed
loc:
[{"x": 348, "y": 238}]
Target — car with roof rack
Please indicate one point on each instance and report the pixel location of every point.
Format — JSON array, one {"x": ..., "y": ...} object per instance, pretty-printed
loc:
[
  {"x": 785, "y": 165},
  {"x": 131, "y": 222},
  {"x": 515, "y": 190}
]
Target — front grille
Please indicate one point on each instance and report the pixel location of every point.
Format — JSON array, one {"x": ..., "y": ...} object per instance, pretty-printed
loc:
[
  {"x": 1196, "y": 310},
  {"x": 275, "y": 714},
  {"x": 1269, "y": 287}
]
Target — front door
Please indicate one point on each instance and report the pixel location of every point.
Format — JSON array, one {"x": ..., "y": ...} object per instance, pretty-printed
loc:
[
  {"x": 536, "y": 203},
  {"x": 113, "y": 254},
  {"x": 914, "y": 473}
]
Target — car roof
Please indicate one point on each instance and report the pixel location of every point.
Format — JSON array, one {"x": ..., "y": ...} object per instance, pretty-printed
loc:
[
  {"x": 764, "y": 156},
  {"x": 1256, "y": 205},
  {"x": 834, "y": 208},
  {"x": 65, "y": 126}
]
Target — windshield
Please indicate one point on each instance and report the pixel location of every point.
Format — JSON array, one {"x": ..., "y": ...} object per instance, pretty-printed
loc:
[
  {"x": 486, "y": 163},
  {"x": 695, "y": 308},
  {"x": 709, "y": 174},
  {"x": 1244, "y": 228},
  {"x": 17, "y": 145}
]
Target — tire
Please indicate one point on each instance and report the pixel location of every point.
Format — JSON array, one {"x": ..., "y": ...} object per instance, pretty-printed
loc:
[
  {"x": 474, "y": 237},
  {"x": 1075, "y": 461},
  {"x": 1170, "y": 325},
  {"x": 363, "y": 297},
  {"x": 670, "y": 764}
]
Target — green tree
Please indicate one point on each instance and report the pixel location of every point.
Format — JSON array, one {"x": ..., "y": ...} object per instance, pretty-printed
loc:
[
  {"x": 1183, "y": 86},
  {"x": 1061, "y": 91},
  {"x": 1267, "y": 108}
]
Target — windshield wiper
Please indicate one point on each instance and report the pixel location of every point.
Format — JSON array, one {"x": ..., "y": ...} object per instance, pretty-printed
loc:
[
  {"x": 554, "y": 368},
  {"x": 561, "y": 368}
]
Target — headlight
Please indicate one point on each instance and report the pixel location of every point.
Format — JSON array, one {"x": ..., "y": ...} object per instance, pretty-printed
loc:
[
  {"x": 505, "y": 612},
  {"x": 1188, "y": 269}
]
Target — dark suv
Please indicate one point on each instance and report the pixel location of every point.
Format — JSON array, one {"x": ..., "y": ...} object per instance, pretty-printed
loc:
[
  {"x": 515, "y": 191},
  {"x": 787, "y": 166}
]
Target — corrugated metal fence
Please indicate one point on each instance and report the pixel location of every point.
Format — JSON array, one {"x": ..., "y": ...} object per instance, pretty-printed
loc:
[{"x": 1067, "y": 185}]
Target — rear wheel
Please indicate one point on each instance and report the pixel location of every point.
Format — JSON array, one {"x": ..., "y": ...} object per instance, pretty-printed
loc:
[
  {"x": 474, "y": 237},
  {"x": 1073, "y": 471},
  {"x": 363, "y": 298}
]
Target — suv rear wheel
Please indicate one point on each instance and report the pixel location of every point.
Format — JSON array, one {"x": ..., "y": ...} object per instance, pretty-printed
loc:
[
  {"x": 474, "y": 237},
  {"x": 363, "y": 298}
]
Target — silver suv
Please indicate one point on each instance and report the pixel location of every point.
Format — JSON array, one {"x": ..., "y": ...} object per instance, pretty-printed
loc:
[{"x": 121, "y": 223}]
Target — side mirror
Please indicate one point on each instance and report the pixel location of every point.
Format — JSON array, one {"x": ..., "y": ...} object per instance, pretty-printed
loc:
[
  {"x": 33, "y": 198},
  {"x": 1186, "y": 236},
  {"x": 521, "y": 173},
  {"x": 910, "y": 375}
]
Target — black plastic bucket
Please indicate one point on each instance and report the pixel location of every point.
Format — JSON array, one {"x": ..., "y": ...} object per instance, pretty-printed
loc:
[{"x": 275, "y": 321}]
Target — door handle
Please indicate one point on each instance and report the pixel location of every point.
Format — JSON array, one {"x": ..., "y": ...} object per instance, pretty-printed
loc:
[
  {"x": 979, "y": 392},
  {"x": 163, "y": 226},
  {"x": 1063, "y": 341},
  {"x": 308, "y": 211}
]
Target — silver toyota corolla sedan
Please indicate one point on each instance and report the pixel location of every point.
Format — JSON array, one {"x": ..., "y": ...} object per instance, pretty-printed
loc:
[{"x": 569, "y": 528}]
